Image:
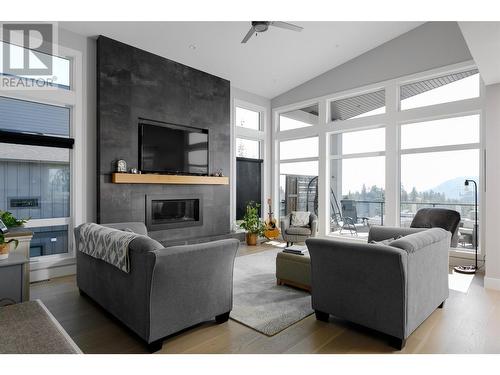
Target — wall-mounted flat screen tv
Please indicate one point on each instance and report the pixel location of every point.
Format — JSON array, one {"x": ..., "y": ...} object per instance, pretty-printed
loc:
[{"x": 172, "y": 149}]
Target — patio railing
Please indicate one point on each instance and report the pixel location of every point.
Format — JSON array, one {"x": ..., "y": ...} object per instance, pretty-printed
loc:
[{"x": 375, "y": 210}]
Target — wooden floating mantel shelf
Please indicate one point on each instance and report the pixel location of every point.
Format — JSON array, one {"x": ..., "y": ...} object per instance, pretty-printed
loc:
[{"x": 130, "y": 178}]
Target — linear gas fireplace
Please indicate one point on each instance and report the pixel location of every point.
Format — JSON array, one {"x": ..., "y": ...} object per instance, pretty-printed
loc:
[{"x": 166, "y": 211}]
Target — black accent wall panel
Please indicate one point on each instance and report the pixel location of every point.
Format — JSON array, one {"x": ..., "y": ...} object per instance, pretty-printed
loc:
[
  {"x": 133, "y": 84},
  {"x": 248, "y": 184}
]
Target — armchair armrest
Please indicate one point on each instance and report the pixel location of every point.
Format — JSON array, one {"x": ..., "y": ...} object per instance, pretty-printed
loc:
[
  {"x": 414, "y": 242},
  {"x": 380, "y": 233},
  {"x": 190, "y": 284},
  {"x": 285, "y": 223},
  {"x": 313, "y": 223}
]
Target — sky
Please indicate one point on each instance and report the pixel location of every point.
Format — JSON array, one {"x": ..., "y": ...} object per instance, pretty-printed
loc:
[{"x": 426, "y": 171}]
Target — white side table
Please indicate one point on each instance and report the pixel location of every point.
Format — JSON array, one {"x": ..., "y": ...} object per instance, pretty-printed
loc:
[
  {"x": 13, "y": 279},
  {"x": 24, "y": 237}
]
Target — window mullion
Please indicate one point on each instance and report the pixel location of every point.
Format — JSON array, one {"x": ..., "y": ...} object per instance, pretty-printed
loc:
[{"x": 392, "y": 178}]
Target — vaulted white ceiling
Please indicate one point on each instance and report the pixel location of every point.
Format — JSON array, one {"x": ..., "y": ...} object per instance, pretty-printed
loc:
[
  {"x": 483, "y": 40},
  {"x": 269, "y": 64}
]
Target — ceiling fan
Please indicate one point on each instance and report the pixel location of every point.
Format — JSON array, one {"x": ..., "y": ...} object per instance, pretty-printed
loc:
[{"x": 261, "y": 26}]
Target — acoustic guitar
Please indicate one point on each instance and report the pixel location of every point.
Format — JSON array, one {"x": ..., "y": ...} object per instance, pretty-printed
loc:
[{"x": 272, "y": 232}]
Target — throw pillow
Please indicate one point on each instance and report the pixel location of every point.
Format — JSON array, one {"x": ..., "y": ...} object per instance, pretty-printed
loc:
[{"x": 300, "y": 219}]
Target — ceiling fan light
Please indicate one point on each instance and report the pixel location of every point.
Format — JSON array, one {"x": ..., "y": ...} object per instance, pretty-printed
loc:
[{"x": 261, "y": 27}]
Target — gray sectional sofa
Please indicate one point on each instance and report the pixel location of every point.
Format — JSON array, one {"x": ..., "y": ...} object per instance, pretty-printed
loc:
[
  {"x": 391, "y": 288},
  {"x": 167, "y": 289}
]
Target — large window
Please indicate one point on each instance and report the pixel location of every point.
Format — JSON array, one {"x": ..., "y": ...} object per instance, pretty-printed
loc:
[
  {"x": 299, "y": 175},
  {"x": 31, "y": 117},
  {"x": 443, "y": 89},
  {"x": 298, "y": 187},
  {"x": 247, "y": 148},
  {"x": 36, "y": 180},
  {"x": 380, "y": 160},
  {"x": 299, "y": 148},
  {"x": 300, "y": 118},
  {"x": 247, "y": 118},
  {"x": 249, "y": 163},
  {"x": 443, "y": 132},
  {"x": 437, "y": 157},
  {"x": 298, "y": 168},
  {"x": 61, "y": 67},
  {"x": 357, "y": 185},
  {"x": 358, "y": 106}
]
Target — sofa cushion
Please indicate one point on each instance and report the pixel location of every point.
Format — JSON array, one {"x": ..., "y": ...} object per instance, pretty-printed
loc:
[
  {"x": 300, "y": 218},
  {"x": 415, "y": 241},
  {"x": 300, "y": 231}
]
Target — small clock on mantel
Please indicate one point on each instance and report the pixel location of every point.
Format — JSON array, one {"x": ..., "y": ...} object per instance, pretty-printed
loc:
[{"x": 121, "y": 166}]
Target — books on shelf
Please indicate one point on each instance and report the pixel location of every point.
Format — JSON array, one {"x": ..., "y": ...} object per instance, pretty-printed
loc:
[{"x": 296, "y": 249}]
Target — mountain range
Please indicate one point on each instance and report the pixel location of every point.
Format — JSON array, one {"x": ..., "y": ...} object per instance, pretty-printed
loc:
[{"x": 455, "y": 189}]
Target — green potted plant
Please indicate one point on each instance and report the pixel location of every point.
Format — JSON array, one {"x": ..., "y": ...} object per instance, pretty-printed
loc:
[
  {"x": 10, "y": 220},
  {"x": 252, "y": 223},
  {"x": 5, "y": 246}
]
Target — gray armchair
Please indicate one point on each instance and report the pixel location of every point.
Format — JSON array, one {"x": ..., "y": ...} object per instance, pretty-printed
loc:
[
  {"x": 293, "y": 234},
  {"x": 389, "y": 288},
  {"x": 438, "y": 218},
  {"x": 167, "y": 289}
]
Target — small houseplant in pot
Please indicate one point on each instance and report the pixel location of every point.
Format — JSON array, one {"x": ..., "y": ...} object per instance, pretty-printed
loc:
[
  {"x": 252, "y": 223},
  {"x": 11, "y": 221},
  {"x": 5, "y": 246}
]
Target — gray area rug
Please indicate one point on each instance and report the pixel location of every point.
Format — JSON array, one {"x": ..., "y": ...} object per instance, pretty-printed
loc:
[
  {"x": 261, "y": 304},
  {"x": 30, "y": 328}
]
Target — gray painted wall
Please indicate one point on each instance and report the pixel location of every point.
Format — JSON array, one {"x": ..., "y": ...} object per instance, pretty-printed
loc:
[
  {"x": 134, "y": 84},
  {"x": 492, "y": 185},
  {"x": 432, "y": 45}
]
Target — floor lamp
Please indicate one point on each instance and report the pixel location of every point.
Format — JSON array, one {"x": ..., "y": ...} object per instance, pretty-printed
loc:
[{"x": 471, "y": 269}]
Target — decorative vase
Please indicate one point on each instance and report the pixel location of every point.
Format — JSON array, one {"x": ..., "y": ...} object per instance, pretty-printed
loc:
[
  {"x": 251, "y": 239},
  {"x": 4, "y": 251}
]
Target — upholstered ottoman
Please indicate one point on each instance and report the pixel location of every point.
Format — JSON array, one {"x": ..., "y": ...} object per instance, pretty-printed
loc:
[{"x": 293, "y": 270}]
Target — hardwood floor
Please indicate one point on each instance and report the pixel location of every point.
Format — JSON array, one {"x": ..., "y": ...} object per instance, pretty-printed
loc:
[{"x": 468, "y": 323}]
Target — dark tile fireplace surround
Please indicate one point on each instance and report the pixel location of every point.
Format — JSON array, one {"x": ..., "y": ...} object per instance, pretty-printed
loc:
[{"x": 134, "y": 84}]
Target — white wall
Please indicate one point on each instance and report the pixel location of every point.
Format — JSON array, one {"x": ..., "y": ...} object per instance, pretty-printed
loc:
[
  {"x": 87, "y": 46},
  {"x": 492, "y": 224},
  {"x": 432, "y": 45}
]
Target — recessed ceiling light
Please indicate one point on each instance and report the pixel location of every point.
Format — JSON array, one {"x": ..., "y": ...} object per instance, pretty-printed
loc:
[{"x": 192, "y": 46}]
